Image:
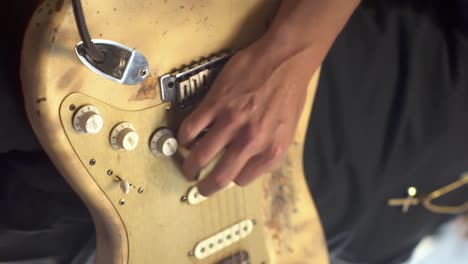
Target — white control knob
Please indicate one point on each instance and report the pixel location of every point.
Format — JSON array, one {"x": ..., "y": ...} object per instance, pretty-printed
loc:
[
  {"x": 87, "y": 120},
  {"x": 124, "y": 137},
  {"x": 163, "y": 143}
]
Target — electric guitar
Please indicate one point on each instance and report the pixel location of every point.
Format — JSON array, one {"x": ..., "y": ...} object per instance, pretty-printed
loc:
[{"x": 106, "y": 112}]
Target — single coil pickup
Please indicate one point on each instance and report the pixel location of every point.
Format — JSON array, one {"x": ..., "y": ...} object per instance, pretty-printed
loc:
[{"x": 223, "y": 239}]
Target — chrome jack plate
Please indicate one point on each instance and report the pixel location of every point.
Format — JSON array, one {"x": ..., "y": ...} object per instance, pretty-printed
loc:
[{"x": 122, "y": 64}]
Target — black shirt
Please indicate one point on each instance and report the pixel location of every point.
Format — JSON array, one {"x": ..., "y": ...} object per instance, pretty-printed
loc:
[{"x": 391, "y": 111}]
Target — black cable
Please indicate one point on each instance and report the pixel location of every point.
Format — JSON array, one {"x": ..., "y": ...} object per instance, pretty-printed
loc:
[{"x": 90, "y": 48}]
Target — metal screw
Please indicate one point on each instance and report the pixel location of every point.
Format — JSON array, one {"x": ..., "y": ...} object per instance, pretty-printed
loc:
[
  {"x": 92, "y": 162},
  {"x": 143, "y": 72},
  {"x": 72, "y": 107},
  {"x": 168, "y": 108},
  {"x": 109, "y": 172},
  {"x": 122, "y": 201},
  {"x": 140, "y": 190},
  {"x": 191, "y": 254},
  {"x": 183, "y": 198}
]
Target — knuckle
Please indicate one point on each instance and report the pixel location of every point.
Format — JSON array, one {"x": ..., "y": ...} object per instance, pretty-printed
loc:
[{"x": 274, "y": 153}]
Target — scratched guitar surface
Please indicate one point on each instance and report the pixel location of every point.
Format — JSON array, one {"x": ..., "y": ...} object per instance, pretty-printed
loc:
[{"x": 155, "y": 226}]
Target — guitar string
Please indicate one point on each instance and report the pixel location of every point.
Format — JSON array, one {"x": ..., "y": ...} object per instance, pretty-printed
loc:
[
  {"x": 245, "y": 218},
  {"x": 236, "y": 217},
  {"x": 203, "y": 222},
  {"x": 221, "y": 221},
  {"x": 230, "y": 210},
  {"x": 239, "y": 205}
]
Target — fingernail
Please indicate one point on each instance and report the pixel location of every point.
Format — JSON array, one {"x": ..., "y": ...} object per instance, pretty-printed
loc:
[{"x": 192, "y": 176}]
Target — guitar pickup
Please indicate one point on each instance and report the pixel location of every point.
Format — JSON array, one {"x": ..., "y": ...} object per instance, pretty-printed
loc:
[
  {"x": 224, "y": 238},
  {"x": 186, "y": 86}
]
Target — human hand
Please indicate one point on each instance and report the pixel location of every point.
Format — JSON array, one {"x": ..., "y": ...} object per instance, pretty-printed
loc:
[{"x": 252, "y": 110}]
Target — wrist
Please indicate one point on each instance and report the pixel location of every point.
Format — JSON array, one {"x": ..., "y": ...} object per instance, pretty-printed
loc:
[{"x": 308, "y": 27}]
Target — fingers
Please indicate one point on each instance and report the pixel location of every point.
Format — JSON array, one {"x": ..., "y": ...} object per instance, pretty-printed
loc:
[
  {"x": 210, "y": 145},
  {"x": 198, "y": 120},
  {"x": 259, "y": 164},
  {"x": 229, "y": 166}
]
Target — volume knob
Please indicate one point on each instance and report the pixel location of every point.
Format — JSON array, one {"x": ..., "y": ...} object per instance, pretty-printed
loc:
[
  {"x": 124, "y": 137},
  {"x": 164, "y": 143},
  {"x": 87, "y": 120}
]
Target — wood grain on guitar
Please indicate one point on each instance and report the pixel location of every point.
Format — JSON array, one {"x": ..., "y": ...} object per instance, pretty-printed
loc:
[{"x": 110, "y": 155}]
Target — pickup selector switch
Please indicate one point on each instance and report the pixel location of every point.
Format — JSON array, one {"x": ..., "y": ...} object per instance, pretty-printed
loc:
[
  {"x": 87, "y": 120},
  {"x": 124, "y": 137},
  {"x": 163, "y": 143}
]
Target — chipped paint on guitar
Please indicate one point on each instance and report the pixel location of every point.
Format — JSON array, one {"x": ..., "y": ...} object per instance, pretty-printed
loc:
[{"x": 112, "y": 142}]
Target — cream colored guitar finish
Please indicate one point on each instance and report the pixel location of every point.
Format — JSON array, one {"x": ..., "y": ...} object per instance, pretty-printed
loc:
[{"x": 138, "y": 200}]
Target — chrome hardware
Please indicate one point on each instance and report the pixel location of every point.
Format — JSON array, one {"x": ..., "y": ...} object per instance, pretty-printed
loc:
[
  {"x": 241, "y": 257},
  {"x": 183, "y": 85},
  {"x": 121, "y": 64}
]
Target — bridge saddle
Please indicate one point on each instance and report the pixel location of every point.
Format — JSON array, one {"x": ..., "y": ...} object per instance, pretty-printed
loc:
[{"x": 185, "y": 86}]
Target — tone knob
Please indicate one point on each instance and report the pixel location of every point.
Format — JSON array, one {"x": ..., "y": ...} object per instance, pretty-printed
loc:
[
  {"x": 124, "y": 137},
  {"x": 163, "y": 142},
  {"x": 87, "y": 120}
]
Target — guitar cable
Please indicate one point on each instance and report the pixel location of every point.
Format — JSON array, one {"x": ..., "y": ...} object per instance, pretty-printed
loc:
[{"x": 90, "y": 48}]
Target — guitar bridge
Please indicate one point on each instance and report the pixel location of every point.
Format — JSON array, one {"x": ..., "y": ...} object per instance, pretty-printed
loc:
[{"x": 186, "y": 86}]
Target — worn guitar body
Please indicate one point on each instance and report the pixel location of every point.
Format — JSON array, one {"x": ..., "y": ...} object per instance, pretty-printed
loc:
[{"x": 142, "y": 207}]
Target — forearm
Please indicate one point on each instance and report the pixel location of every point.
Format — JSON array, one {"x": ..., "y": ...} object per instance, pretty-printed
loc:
[{"x": 307, "y": 26}]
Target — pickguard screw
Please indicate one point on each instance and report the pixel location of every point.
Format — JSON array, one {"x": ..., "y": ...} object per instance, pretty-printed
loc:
[
  {"x": 168, "y": 108},
  {"x": 191, "y": 254},
  {"x": 183, "y": 198},
  {"x": 140, "y": 190},
  {"x": 92, "y": 162},
  {"x": 110, "y": 172},
  {"x": 122, "y": 202},
  {"x": 72, "y": 107}
]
